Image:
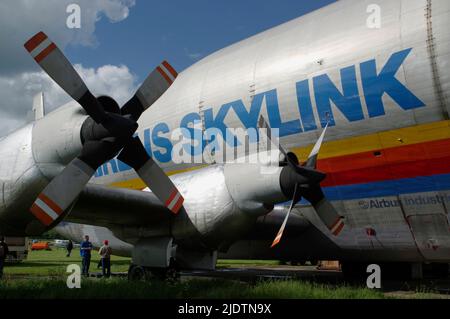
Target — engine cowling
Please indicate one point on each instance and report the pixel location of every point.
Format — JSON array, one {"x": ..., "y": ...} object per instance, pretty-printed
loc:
[
  {"x": 31, "y": 156},
  {"x": 57, "y": 138}
]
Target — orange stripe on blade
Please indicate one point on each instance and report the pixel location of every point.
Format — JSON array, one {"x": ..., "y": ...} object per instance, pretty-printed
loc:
[
  {"x": 276, "y": 242},
  {"x": 171, "y": 197},
  {"x": 41, "y": 56},
  {"x": 164, "y": 75},
  {"x": 178, "y": 205},
  {"x": 35, "y": 41},
  {"x": 41, "y": 215},
  {"x": 50, "y": 203},
  {"x": 170, "y": 68},
  {"x": 335, "y": 223},
  {"x": 338, "y": 231}
]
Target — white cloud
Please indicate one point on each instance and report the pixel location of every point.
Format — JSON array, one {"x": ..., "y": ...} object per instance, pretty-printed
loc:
[
  {"x": 17, "y": 92},
  {"x": 21, "y": 78},
  {"x": 21, "y": 19}
]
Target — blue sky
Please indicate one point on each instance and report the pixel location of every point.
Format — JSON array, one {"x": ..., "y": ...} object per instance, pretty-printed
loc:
[
  {"x": 115, "y": 53},
  {"x": 183, "y": 31}
]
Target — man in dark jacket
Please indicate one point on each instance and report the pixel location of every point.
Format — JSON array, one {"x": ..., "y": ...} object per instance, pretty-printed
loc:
[
  {"x": 3, "y": 253},
  {"x": 69, "y": 248}
]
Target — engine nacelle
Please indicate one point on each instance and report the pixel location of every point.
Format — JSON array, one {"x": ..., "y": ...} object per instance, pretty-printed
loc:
[
  {"x": 31, "y": 156},
  {"x": 57, "y": 138},
  {"x": 223, "y": 202}
]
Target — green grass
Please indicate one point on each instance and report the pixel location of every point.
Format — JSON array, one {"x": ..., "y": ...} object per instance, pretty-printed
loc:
[
  {"x": 43, "y": 275},
  {"x": 212, "y": 289},
  {"x": 54, "y": 263}
]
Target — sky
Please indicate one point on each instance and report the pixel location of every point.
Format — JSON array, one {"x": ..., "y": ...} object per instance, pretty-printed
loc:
[{"x": 120, "y": 41}]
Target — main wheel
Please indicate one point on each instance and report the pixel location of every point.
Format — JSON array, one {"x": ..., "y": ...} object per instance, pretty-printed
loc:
[
  {"x": 137, "y": 273},
  {"x": 170, "y": 274}
]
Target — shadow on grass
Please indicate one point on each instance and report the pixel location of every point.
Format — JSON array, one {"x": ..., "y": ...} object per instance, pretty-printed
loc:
[
  {"x": 196, "y": 288},
  {"x": 34, "y": 264}
]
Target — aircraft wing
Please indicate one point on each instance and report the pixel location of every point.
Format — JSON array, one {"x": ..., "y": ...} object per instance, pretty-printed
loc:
[{"x": 106, "y": 206}]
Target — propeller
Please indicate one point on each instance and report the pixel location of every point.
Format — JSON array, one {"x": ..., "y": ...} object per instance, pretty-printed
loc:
[
  {"x": 108, "y": 132},
  {"x": 299, "y": 181}
]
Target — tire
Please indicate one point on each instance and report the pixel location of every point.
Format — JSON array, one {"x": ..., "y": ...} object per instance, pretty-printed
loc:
[
  {"x": 170, "y": 274},
  {"x": 137, "y": 273}
]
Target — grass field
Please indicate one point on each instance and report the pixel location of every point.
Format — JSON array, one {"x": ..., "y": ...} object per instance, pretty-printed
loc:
[
  {"x": 43, "y": 275},
  {"x": 54, "y": 263}
]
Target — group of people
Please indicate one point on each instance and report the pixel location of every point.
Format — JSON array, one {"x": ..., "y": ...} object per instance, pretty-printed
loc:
[{"x": 86, "y": 247}]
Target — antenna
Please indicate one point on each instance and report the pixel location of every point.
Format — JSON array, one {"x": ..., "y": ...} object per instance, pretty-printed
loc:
[{"x": 38, "y": 106}]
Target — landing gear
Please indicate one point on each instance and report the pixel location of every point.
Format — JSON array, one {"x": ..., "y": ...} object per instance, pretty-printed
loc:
[
  {"x": 165, "y": 274},
  {"x": 140, "y": 273},
  {"x": 137, "y": 273}
]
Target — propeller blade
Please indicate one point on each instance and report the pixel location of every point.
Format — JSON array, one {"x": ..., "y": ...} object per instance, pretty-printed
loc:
[
  {"x": 307, "y": 172},
  {"x": 325, "y": 210},
  {"x": 151, "y": 90},
  {"x": 312, "y": 158},
  {"x": 294, "y": 202},
  {"x": 262, "y": 124},
  {"x": 330, "y": 217},
  {"x": 56, "y": 65},
  {"x": 64, "y": 189},
  {"x": 57, "y": 197},
  {"x": 135, "y": 155}
]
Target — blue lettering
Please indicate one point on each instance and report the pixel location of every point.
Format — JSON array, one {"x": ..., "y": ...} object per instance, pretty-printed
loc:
[
  {"x": 273, "y": 110},
  {"x": 122, "y": 166},
  {"x": 217, "y": 122},
  {"x": 376, "y": 85},
  {"x": 113, "y": 165},
  {"x": 250, "y": 118},
  {"x": 196, "y": 135},
  {"x": 162, "y": 142},
  {"x": 305, "y": 106},
  {"x": 348, "y": 103},
  {"x": 99, "y": 172}
]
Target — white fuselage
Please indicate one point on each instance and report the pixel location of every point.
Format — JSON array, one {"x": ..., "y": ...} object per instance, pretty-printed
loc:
[{"x": 381, "y": 88}]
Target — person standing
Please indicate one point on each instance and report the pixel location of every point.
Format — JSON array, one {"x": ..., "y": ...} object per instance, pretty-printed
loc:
[
  {"x": 69, "y": 248},
  {"x": 3, "y": 253},
  {"x": 105, "y": 252},
  {"x": 85, "y": 252}
]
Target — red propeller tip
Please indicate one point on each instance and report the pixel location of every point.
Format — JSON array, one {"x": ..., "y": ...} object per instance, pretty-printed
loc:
[{"x": 37, "y": 39}]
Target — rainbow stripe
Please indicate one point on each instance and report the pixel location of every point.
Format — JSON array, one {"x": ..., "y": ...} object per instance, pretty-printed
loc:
[{"x": 403, "y": 161}]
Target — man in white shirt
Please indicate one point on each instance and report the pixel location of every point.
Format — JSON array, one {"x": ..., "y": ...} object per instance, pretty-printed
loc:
[{"x": 105, "y": 252}]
